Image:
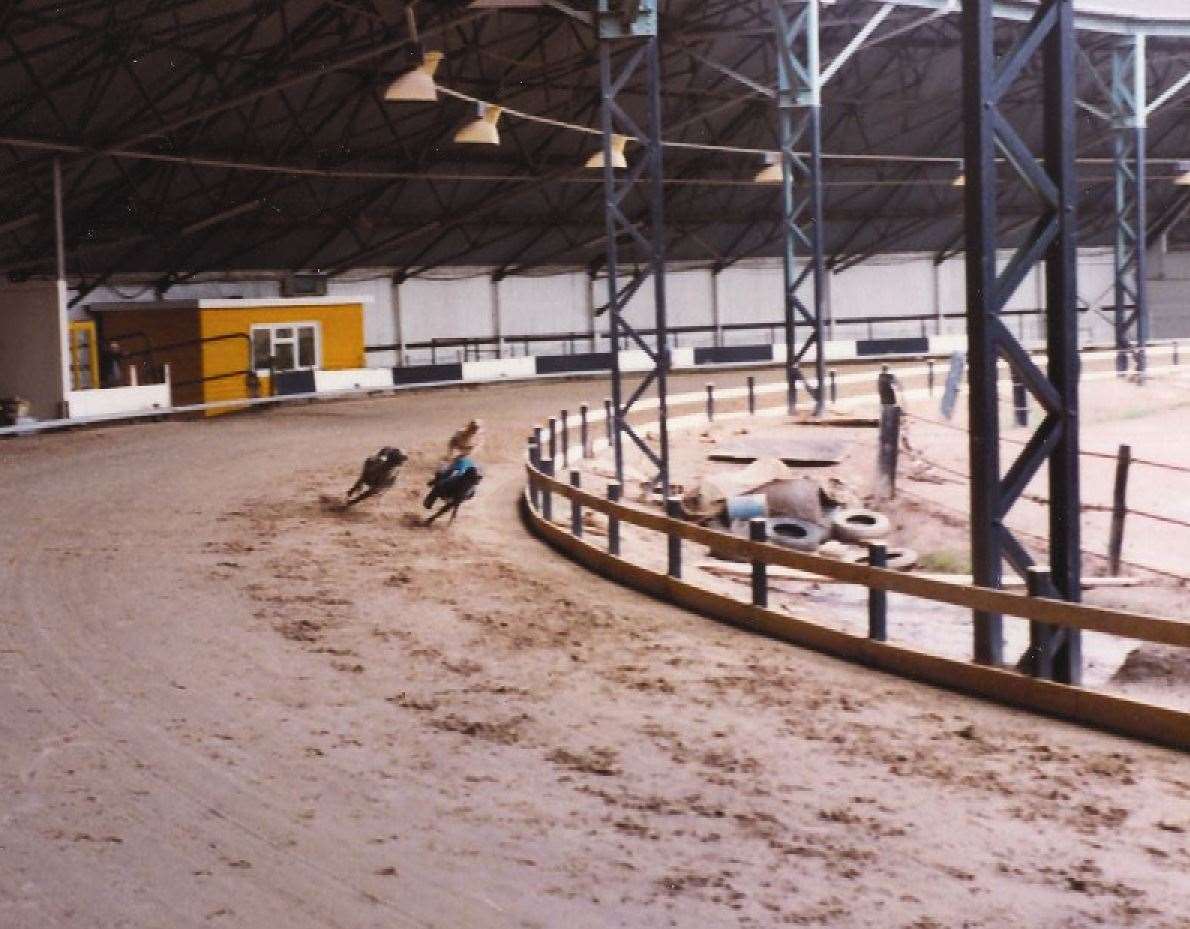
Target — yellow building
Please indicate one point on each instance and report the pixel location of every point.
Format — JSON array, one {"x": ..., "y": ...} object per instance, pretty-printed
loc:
[{"x": 228, "y": 349}]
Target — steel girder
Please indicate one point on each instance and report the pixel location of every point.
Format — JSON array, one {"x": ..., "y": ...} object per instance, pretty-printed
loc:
[
  {"x": 629, "y": 50},
  {"x": 987, "y": 81},
  {"x": 799, "y": 115},
  {"x": 1129, "y": 111}
]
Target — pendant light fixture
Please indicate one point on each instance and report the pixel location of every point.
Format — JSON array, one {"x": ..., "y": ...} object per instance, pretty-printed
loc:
[
  {"x": 481, "y": 130},
  {"x": 417, "y": 86},
  {"x": 773, "y": 171},
  {"x": 619, "y": 160}
]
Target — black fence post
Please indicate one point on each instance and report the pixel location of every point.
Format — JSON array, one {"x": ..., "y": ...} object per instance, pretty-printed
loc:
[
  {"x": 834, "y": 387},
  {"x": 1115, "y": 546},
  {"x": 1039, "y": 659},
  {"x": 565, "y": 417},
  {"x": 547, "y": 496},
  {"x": 710, "y": 403},
  {"x": 673, "y": 509},
  {"x": 930, "y": 376},
  {"x": 609, "y": 421},
  {"x": 877, "y": 599},
  {"x": 553, "y": 446},
  {"x": 615, "y": 493},
  {"x": 758, "y": 531},
  {"x": 751, "y": 395},
  {"x": 576, "y": 508},
  {"x": 535, "y": 461},
  {"x": 585, "y": 431}
]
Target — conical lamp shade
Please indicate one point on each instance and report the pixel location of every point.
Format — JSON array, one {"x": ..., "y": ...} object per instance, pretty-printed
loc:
[
  {"x": 417, "y": 86},
  {"x": 619, "y": 160},
  {"x": 773, "y": 171},
  {"x": 481, "y": 131}
]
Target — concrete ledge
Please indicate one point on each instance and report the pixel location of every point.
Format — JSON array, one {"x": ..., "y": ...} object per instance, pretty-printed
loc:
[
  {"x": 499, "y": 369},
  {"x": 353, "y": 379},
  {"x": 116, "y": 400}
]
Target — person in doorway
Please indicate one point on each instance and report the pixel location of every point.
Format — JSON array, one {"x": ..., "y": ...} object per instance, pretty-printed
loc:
[{"x": 114, "y": 360}]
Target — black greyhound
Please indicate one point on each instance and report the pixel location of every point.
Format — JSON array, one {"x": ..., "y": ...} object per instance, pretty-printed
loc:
[
  {"x": 377, "y": 476},
  {"x": 454, "y": 484}
]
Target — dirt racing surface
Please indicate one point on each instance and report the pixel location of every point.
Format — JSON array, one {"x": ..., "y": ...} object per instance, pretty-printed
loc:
[{"x": 222, "y": 704}]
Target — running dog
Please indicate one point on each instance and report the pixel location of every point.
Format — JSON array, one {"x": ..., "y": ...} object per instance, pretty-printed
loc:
[{"x": 378, "y": 475}]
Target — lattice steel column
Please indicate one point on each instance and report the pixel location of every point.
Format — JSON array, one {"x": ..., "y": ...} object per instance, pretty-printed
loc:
[
  {"x": 799, "y": 114},
  {"x": 1130, "y": 122},
  {"x": 988, "y": 79},
  {"x": 629, "y": 49}
]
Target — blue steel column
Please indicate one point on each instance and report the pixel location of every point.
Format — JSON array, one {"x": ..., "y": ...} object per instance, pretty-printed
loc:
[
  {"x": 799, "y": 115},
  {"x": 1129, "y": 147},
  {"x": 1064, "y": 366},
  {"x": 629, "y": 49},
  {"x": 988, "y": 80},
  {"x": 981, "y": 192}
]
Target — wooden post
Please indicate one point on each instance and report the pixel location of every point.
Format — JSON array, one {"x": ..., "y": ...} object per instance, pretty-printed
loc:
[
  {"x": 615, "y": 493},
  {"x": 877, "y": 599},
  {"x": 890, "y": 440},
  {"x": 547, "y": 496},
  {"x": 585, "y": 431},
  {"x": 1115, "y": 545},
  {"x": 673, "y": 509},
  {"x": 576, "y": 509},
  {"x": 565, "y": 416},
  {"x": 758, "y": 531},
  {"x": 1039, "y": 659}
]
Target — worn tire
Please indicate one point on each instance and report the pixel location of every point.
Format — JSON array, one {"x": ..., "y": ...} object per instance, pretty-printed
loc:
[
  {"x": 856, "y": 524},
  {"x": 800, "y": 535}
]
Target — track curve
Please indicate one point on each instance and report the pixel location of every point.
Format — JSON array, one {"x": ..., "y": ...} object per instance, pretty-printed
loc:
[{"x": 225, "y": 706}]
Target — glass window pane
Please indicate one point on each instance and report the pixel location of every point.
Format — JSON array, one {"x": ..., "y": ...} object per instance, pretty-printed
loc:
[
  {"x": 261, "y": 348},
  {"x": 306, "y": 357},
  {"x": 285, "y": 356},
  {"x": 285, "y": 333}
]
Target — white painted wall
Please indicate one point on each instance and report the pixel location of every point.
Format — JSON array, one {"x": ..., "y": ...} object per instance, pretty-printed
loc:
[
  {"x": 460, "y": 304},
  {"x": 33, "y": 346}
]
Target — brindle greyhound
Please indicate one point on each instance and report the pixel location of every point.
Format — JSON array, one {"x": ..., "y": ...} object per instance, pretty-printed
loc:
[{"x": 377, "y": 476}]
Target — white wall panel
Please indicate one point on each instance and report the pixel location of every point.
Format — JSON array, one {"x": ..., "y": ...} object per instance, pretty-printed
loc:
[
  {"x": 544, "y": 305},
  {"x": 459, "y": 308}
]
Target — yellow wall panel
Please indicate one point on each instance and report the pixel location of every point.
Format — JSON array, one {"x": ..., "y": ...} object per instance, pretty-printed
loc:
[{"x": 342, "y": 340}]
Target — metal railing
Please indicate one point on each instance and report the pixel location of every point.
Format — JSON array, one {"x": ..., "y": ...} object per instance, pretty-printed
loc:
[{"x": 478, "y": 348}]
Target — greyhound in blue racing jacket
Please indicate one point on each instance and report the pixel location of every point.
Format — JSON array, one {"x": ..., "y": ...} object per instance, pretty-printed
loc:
[{"x": 454, "y": 484}]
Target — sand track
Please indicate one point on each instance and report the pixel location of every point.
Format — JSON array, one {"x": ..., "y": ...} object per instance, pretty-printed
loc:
[{"x": 224, "y": 706}]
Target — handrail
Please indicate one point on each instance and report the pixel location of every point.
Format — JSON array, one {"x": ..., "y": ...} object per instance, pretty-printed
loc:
[
  {"x": 468, "y": 342},
  {"x": 1155, "y": 629}
]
